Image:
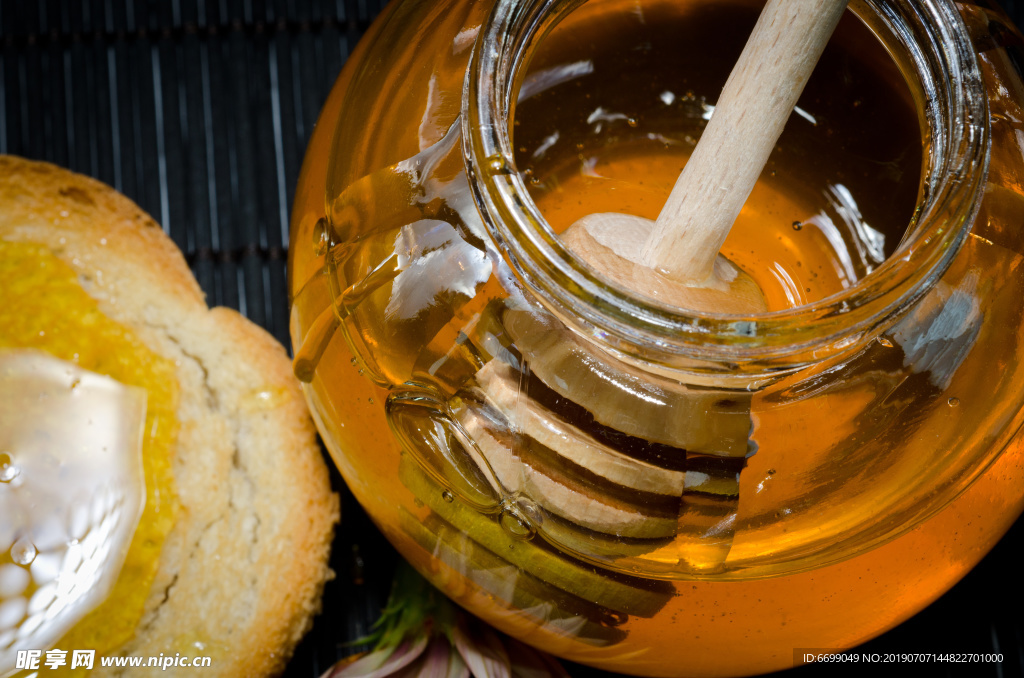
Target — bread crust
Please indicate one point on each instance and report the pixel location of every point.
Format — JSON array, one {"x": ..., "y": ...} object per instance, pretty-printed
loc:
[{"x": 241, "y": 573}]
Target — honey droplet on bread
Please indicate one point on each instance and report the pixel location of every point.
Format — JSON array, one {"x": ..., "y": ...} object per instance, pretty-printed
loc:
[{"x": 46, "y": 308}]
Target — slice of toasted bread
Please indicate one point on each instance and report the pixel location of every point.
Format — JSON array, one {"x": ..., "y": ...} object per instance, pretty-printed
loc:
[{"x": 241, "y": 573}]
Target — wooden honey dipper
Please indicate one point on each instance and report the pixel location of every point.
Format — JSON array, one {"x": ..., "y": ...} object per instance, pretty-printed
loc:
[{"x": 676, "y": 259}]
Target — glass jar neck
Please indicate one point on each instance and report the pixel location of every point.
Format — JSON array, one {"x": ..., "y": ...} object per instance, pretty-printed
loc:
[{"x": 930, "y": 44}]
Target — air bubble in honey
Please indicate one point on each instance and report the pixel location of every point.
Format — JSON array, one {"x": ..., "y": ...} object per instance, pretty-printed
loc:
[
  {"x": 8, "y": 471},
  {"x": 23, "y": 552}
]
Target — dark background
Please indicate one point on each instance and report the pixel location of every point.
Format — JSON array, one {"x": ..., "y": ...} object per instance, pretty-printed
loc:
[{"x": 200, "y": 112}]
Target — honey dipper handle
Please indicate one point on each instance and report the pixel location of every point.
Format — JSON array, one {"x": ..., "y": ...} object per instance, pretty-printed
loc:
[{"x": 758, "y": 99}]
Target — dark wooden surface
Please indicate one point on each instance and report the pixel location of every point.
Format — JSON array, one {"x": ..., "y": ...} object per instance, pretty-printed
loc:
[{"x": 200, "y": 112}]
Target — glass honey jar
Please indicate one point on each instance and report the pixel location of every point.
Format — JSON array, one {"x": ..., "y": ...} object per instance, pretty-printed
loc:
[{"x": 631, "y": 485}]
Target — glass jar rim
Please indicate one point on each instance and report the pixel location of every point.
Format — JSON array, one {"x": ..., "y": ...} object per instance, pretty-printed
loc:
[{"x": 956, "y": 112}]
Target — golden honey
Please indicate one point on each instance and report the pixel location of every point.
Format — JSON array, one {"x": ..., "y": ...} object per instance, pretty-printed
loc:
[
  {"x": 45, "y": 308},
  {"x": 639, "y": 488}
]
